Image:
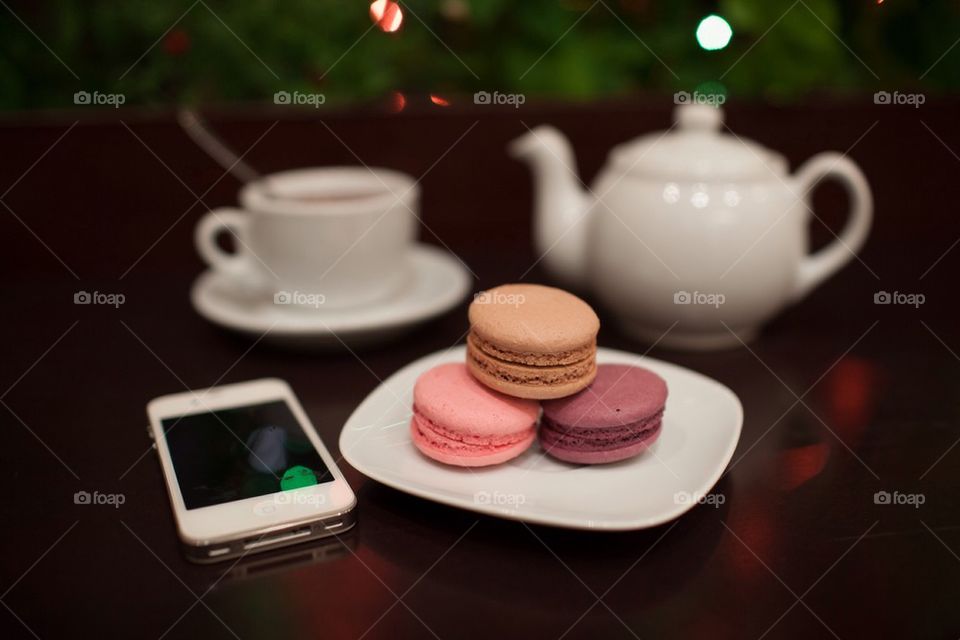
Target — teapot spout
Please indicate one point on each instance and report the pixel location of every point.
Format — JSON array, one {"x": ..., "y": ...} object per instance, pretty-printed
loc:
[{"x": 560, "y": 204}]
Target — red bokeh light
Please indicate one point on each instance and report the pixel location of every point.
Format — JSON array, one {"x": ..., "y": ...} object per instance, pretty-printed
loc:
[
  {"x": 177, "y": 42},
  {"x": 398, "y": 102},
  {"x": 386, "y": 14},
  {"x": 802, "y": 464}
]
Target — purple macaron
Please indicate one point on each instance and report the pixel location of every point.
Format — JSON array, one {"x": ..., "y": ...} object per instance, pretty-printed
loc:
[{"x": 615, "y": 418}]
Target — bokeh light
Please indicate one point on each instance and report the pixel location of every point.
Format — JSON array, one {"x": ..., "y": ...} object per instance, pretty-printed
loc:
[
  {"x": 440, "y": 101},
  {"x": 397, "y": 102},
  {"x": 714, "y": 33},
  {"x": 386, "y": 14},
  {"x": 713, "y": 88}
]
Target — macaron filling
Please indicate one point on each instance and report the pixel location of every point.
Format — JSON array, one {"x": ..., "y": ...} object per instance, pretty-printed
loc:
[
  {"x": 516, "y": 372},
  {"x": 603, "y": 439},
  {"x": 552, "y": 359},
  {"x": 445, "y": 438}
]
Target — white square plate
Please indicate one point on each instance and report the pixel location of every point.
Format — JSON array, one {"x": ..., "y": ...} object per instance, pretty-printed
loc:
[{"x": 701, "y": 427}]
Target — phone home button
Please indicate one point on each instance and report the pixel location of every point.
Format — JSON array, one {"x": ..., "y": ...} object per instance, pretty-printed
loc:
[{"x": 265, "y": 508}]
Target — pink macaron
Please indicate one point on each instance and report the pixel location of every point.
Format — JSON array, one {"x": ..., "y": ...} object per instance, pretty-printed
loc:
[{"x": 459, "y": 421}]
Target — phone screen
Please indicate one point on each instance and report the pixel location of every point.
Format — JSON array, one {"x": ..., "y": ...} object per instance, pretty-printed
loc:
[{"x": 241, "y": 452}]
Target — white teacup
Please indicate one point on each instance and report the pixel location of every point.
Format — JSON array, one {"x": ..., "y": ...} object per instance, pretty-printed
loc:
[{"x": 325, "y": 237}]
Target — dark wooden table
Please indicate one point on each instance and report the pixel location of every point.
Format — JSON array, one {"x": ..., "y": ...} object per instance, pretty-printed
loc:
[{"x": 843, "y": 398}]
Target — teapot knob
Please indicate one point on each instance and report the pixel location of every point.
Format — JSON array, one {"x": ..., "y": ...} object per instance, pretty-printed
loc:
[{"x": 698, "y": 117}]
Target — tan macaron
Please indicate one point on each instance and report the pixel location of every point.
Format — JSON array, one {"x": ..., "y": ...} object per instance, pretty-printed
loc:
[{"x": 531, "y": 341}]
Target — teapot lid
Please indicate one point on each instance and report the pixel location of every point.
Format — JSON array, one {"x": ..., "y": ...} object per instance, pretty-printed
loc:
[{"x": 696, "y": 148}]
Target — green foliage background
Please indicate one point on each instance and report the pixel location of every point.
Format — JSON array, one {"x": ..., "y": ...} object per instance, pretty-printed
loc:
[{"x": 208, "y": 50}]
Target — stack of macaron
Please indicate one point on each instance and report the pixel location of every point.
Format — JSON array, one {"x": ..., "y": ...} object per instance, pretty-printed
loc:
[{"x": 532, "y": 347}]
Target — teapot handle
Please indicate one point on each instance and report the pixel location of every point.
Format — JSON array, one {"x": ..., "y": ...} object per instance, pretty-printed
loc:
[{"x": 816, "y": 268}]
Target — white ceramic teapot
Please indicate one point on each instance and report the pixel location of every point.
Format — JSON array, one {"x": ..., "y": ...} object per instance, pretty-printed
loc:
[{"x": 692, "y": 237}]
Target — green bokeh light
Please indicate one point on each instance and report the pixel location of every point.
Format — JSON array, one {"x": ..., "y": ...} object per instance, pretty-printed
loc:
[
  {"x": 714, "y": 33},
  {"x": 713, "y": 88},
  {"x": 297, "y": 477}
]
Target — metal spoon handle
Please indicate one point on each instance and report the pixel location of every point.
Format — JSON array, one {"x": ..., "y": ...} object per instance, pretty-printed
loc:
[{"x": 215, "y": 148}]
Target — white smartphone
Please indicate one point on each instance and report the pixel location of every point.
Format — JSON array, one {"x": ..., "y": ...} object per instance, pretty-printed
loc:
[{"x": 246, "y": 471}]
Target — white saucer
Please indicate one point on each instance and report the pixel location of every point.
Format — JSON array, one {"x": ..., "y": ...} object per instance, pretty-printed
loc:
[
  {"x": 439, "y": 281},
  {"x": 701, "y": 428}
]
